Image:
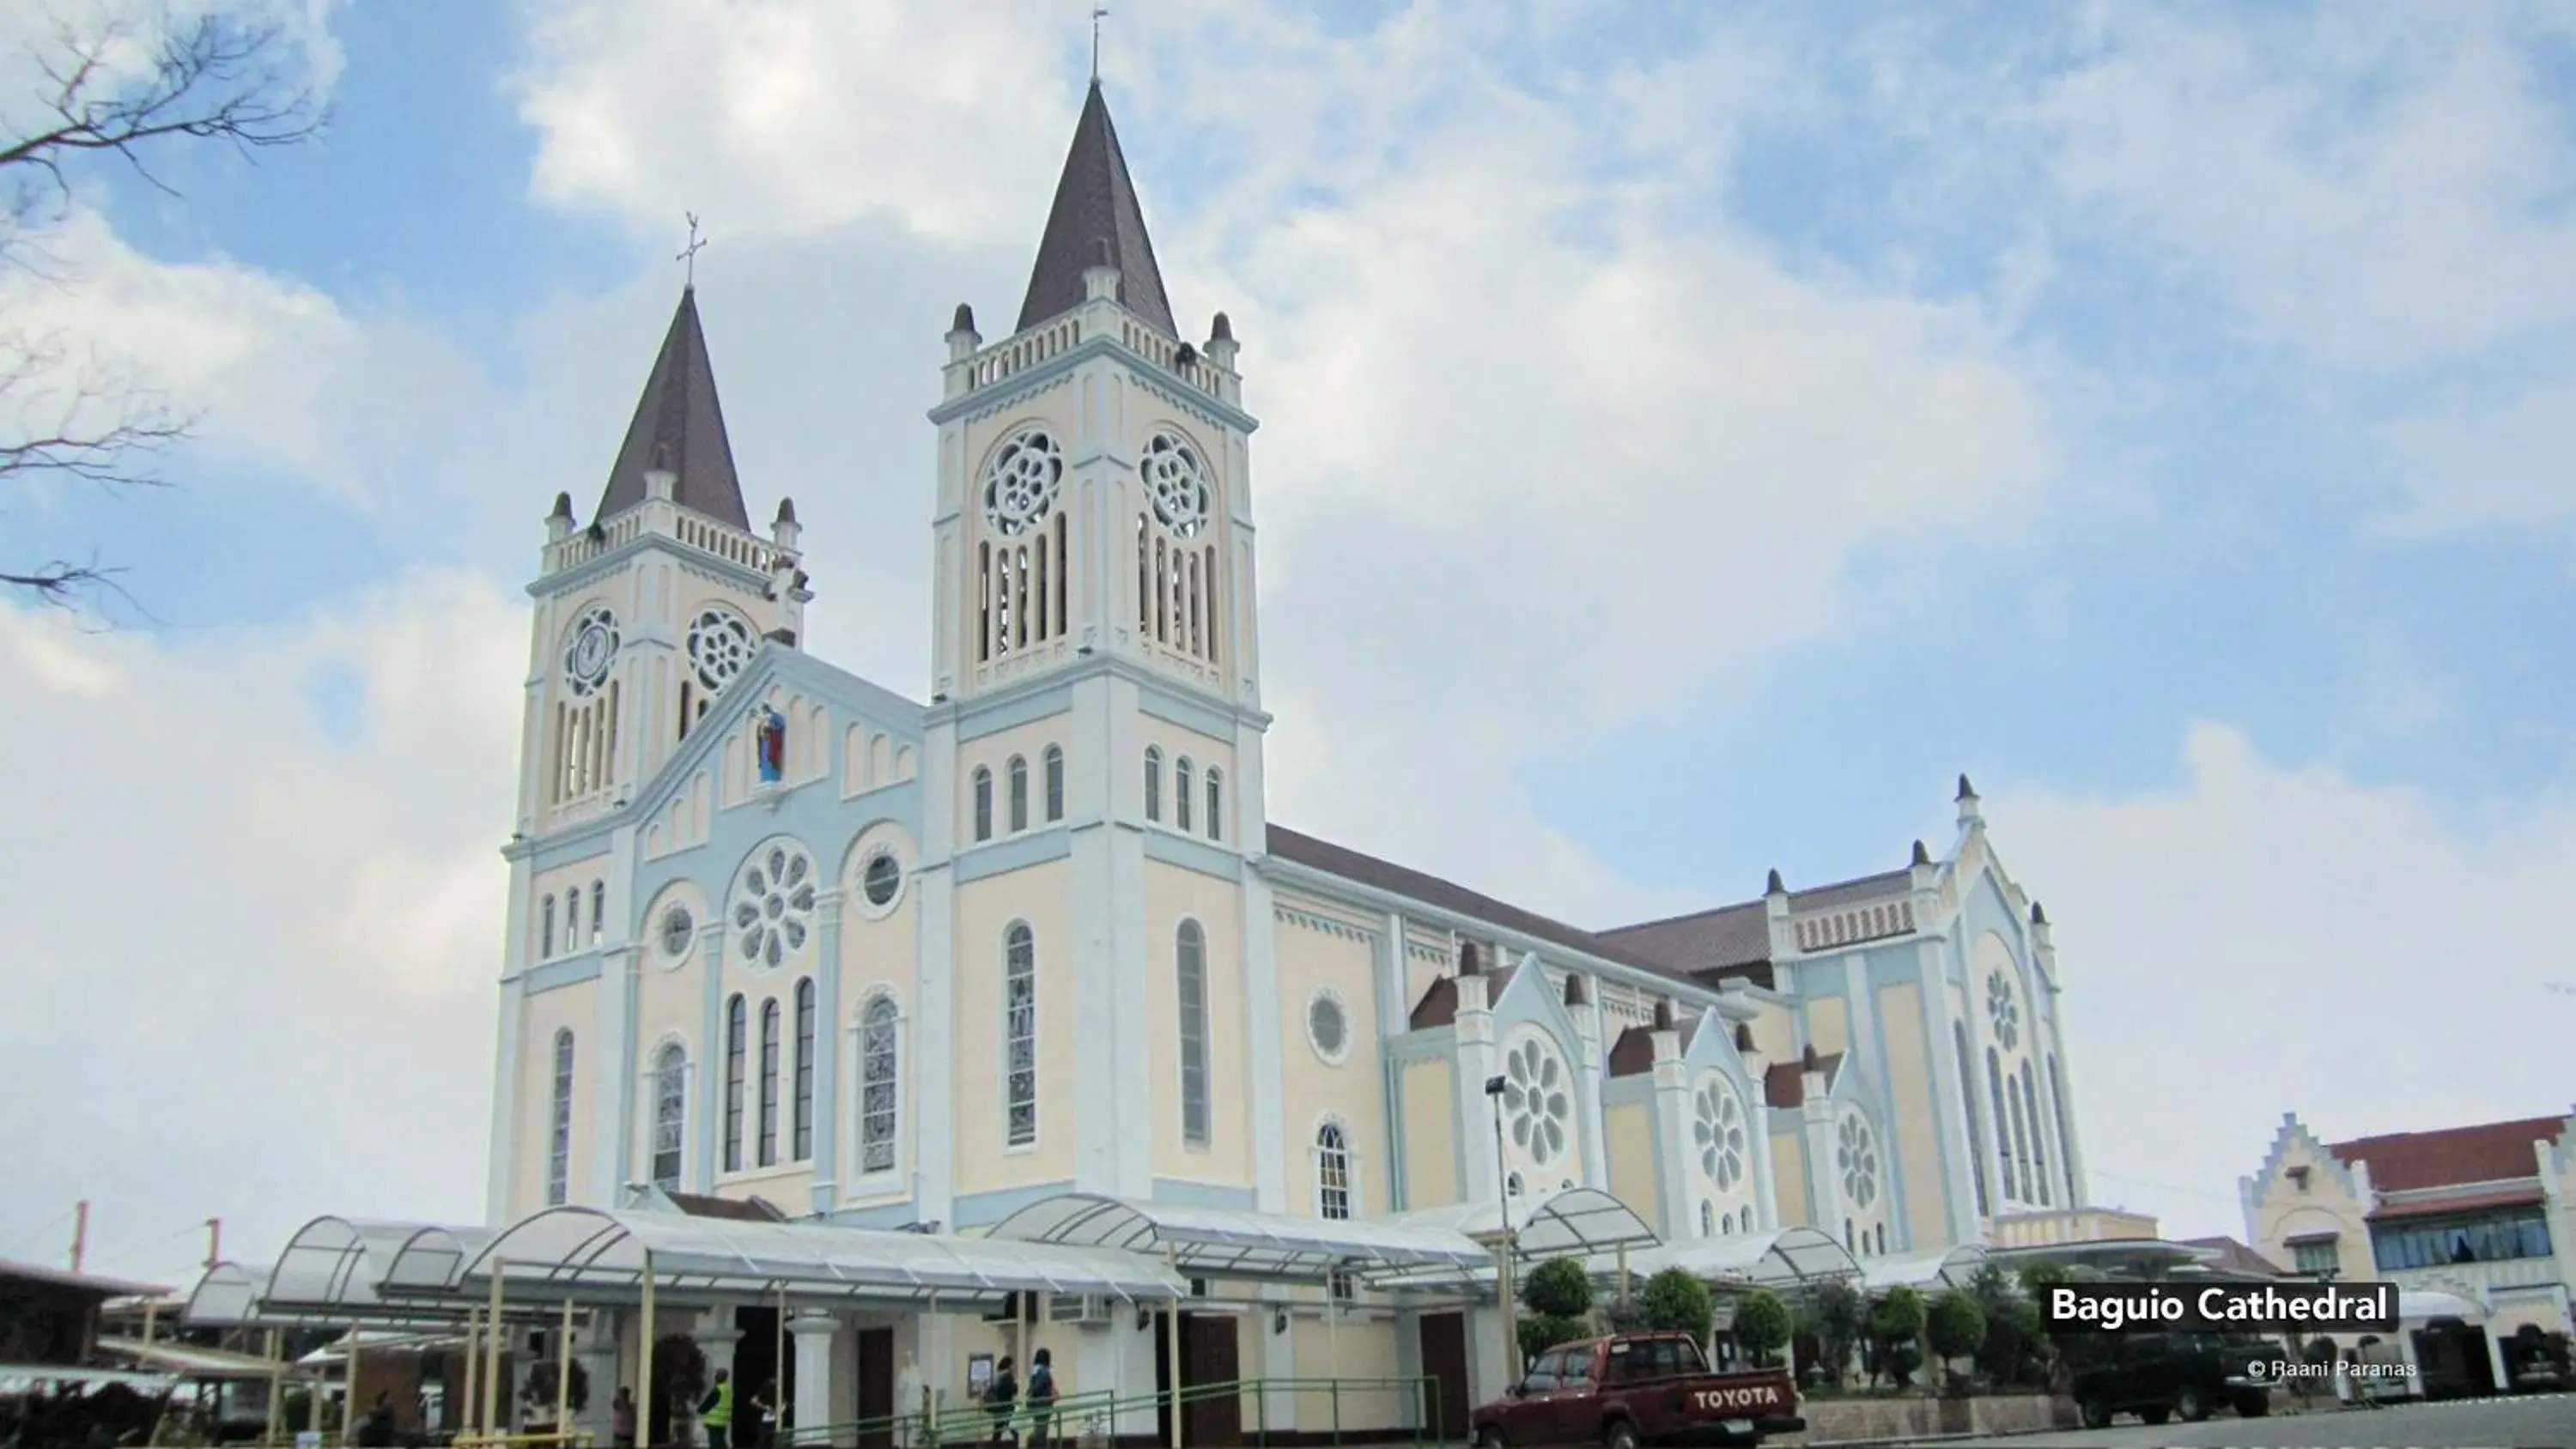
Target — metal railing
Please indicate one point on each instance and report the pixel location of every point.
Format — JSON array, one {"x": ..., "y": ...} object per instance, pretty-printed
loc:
[{"x": 1409, "y": 1412}]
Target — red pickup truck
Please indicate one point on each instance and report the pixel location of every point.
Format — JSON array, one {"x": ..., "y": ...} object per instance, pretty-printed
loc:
[{"x": 1635, "y": 1389}]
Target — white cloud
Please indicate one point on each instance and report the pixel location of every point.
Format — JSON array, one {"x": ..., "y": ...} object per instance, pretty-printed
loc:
[
  {"x": 2375, "y": 187},
  {"x": 2478, "y": 463},
  {"x": 2268, "y": 938},
  {"x": 237, "y": 929}
]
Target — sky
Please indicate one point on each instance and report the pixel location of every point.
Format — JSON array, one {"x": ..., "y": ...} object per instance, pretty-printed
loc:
[{"x": 1692, "y": 436}]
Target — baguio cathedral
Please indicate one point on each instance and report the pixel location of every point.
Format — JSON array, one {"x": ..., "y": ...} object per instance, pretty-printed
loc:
[{"x": 865, "y": 1040}]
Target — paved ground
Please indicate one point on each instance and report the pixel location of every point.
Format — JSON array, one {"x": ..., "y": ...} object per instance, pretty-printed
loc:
[{"x": 2531, "y": 1419}]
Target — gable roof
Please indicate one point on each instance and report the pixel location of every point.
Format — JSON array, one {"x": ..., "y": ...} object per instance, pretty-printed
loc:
[
  {"x": 1784, "y": 1084},
  {"x": 1096, "y": 219},
  {"x": 678, "y": 427},
  {"x": 1431, "y": 890},
  {"x": 1732, "y": 940},
  {"x": 2487, "y": 1152}
]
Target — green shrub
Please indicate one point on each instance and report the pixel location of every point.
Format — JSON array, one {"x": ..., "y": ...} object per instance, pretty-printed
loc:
[
  {"x": 1542, "y": 1331},
  {"x": 1834, "y": 1315},
  {"x": 1762, "y": 1324},
  {"x": 1675, "y": 1299},
  {"x": 1894, "y": 1324},
  {"x": 1560, "y": 1288},
  {"x": 1954, "y": 1325}
]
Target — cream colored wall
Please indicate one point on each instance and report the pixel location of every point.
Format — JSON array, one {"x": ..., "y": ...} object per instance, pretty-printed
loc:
[
  {"x": 1171, "y": 896},
  {"x": 1909, "y": 1084},
  {"x": 994, "y": 752},
  {"x": 1039, "y": 896},
  {"x": 575, "y": 1007},
  {"x": 1628, "y": 1132},
  {"x": 1430, "y": 1135},
  {"x": 871, "y": 758},
  {"x": 1311, "y": 1088},
  {"x": 880, "y": 956},
  {"x": 1775, "y": 1031},
  {"x": 1828, "y": 1030},
  {"x": 1349, "y": 1347},
  {"x": 2284, "y": 1212},
  {"x": 1789, "y": 1180},
  {"x": 1421, "y": 971}
]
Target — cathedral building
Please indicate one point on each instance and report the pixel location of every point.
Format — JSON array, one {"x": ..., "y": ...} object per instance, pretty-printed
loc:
[{"x": 819, "y": 949}]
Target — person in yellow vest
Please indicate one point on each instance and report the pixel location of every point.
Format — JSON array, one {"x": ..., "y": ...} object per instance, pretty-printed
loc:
[{"x": 715, "y": 1411}]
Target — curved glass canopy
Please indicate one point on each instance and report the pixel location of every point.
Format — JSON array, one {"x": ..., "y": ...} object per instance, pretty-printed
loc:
[{"x": 1235, "y": 1243}]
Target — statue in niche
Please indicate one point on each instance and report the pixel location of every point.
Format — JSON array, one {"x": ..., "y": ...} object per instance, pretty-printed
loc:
[{"x": 773, "y": 747}]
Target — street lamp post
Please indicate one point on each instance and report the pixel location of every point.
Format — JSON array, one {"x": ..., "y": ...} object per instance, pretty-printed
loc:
[{"x": 1508, "y": 1249}]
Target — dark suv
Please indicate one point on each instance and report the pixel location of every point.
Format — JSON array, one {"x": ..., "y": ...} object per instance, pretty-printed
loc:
[{"x": 2160, "y": 1376}]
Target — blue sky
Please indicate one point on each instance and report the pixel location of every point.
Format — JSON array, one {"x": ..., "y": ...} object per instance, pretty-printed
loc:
[{"x": 1693, "y": 437}]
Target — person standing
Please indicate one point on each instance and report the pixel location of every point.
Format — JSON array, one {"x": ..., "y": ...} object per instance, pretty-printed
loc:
[
  {"x": 621, "y": 1419},
  {"x": 715, "y": 1411},
  {"x": 764, "y": 1416},
  {"x": 1041, "y": 1397},
  {"x": 1001, "y": 1399}
]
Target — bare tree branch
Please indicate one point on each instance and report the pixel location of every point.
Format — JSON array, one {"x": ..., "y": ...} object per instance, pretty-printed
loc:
[{"x": 130, "y": 94}]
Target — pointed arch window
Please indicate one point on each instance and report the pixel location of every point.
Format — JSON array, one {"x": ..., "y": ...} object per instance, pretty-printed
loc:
[
  {"x": 737, "y": 1032},
  {"x": 1190, "y": 951},
  {"x": 598, "y": 909},
  {"x": 804, "y": 1114},
  {"x": 670, "y": 1114},
  {"x": 1054, "y": 771},
  {"x": 2021, "y": 1144},
  {"x": 1019, "y": 771},
  {"x": 769, "y": 1082},
  {"x": 2003, "y": 1123},
  {"x": 1153, "y": 784},
  {"x": 1181, "y": 793},
  {"x": 2065, "y": 1143},
  {"x": 559, "y": 1143},
  {"x": 983, "y": 803},
  {"x": 546, "y": 929},
  {"x": 1975, "y": 1118},
  {"x": 572, "y": 919},
  {"x": 1215, "y": 803},
  {"x": 1333, "y": 1186},
  {"x": 878, "y": 1050},
  {"x": 2038, "y": 1133},
  {"x": 1020, "y": 1034},
  {"x": 1708, "y": 1220}
]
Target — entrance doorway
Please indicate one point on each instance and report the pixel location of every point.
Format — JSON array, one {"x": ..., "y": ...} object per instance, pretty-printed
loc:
[
  {"x": 1444, "y": 1362},
  {"x": 2453, "y": 1357},
  {"x": 1208, "y": 1356},
  {"x": 876, "y": 1387}
]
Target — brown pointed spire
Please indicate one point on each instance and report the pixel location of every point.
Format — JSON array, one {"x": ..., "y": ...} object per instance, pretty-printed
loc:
[
  {"x": 1095, "y": 221},
  {"x": 678, "y": 427},
  {"x": 1921, "y": 855}
]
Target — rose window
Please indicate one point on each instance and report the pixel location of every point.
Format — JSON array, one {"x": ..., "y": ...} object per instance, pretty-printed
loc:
[
  {"x": 719, "y": 646},
  {"x": 1020, "y": 484},
  {"x": 592, "y": 650},
  {"x": 1856, "y": 1158},
  {"x": 1537, "y": 1101},
  {"x": 1719, "y": 1130},
  {"x": 773, "y": 905},
  {"x": 1177, "y": 482},
  {"x": 679, "y": 931},
  {"x": 2003, "y": 1010}
]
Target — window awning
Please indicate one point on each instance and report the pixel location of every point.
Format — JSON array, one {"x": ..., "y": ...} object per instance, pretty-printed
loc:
[
  {"x": 598, "y": 1254},
  {"x": 1236, "y": 1243},
  {"x": 430, "y": 1260},
  {"x": 1573, "y": 1222},
  {"x": 1951, "y": 1267},
  {"x": 332, "y": 1269},
  {"x": 1782, "y": 1258}
]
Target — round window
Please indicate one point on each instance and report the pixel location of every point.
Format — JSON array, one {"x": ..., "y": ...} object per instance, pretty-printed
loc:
[
  {"x": 882, "y": 879},
  {"x": 679, "y": 932},
  {"x": 1328, "y": 1026}
]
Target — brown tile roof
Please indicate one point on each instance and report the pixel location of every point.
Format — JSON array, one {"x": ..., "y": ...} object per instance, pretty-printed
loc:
[
  {"x": 1438, "y": 1006},
  {"x": 1095, "y": 217},
  {"x": 1634, "y": 1052},
  {"x": 678, "y": 426},
  {"x": 1732, "y": 940},
  {"x": 751, "y": 1210},
  {"x": 2235, "y": 1257},
  {"x": 1431, "y": 890},
  {"x": 1784, "y": 1084},
  {"x": 2445, "y": 1204},
  {"x": 2488, "y": 1152}
]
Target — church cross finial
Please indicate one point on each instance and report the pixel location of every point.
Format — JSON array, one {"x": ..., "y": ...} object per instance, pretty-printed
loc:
[
  {"x": 1098, "y": 14},
  {"x": 689, "y": 254}
]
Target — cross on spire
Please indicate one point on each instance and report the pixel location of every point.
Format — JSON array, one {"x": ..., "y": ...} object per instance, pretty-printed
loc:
[
  {"x": 1098, "y": 14},
  {"x": 689, "y": 254}
]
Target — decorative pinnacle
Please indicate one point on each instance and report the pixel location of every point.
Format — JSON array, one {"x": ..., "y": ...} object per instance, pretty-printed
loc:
[
  {"x": 563, "y": 505},
  {"x": 2038, "y": 917},
  {"x": 1223, "y": 330},
  {"x": 1743, "y": 1037},
  {"x": 965, "y": 319},
  {"x": 1966, "y": 790},
  {"x": 1775, "y": 886},
  {"x": 1574, "y": 992},
  {"x": 1808, "y": 1061},
  {"x": 786, "y": 510},
  {"x": 1469, "y": 964},
  {"x": 1921, "y": 856},
  {"x": 1663, "y": 1016}
]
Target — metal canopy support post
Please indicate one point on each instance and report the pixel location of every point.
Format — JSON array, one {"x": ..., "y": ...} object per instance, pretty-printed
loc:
[
  {"x": 349, "y": 1393},
  {"x": 1172, "y": 1346},
  {"x": 778, "y": 1359},
  {"x": 563, "y": 1376},
  {"x": 645, "y": 1398},
  {"x": 492, "y": 1356},
  {"x": 276, "y": 1385},
  {"x": 462, "y": 1411}
]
